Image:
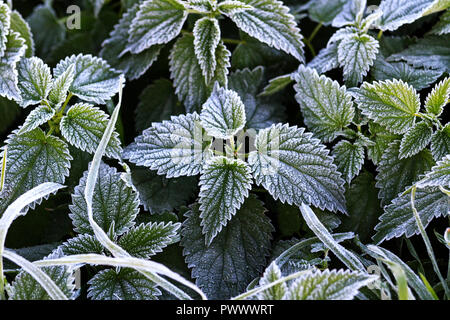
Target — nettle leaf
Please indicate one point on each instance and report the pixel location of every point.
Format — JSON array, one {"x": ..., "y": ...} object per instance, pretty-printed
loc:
[
  {"x": 295, "y": 168},
  {"x": 399, "y": 12},
  {"x": 121, "y": 284},
  {"x": 187, "y": 74},
  {"x": 276, "y": 292},
  {"x": 157, "y": 22},
  {"x": 223, "y": 114},
  {"x": 82, "y": 244},
  {"x": 326, "y": 107},
  {"x": 14, "y": 51},
  {"x": 94, "y": 80},
  {"x": 325, "y": 11},
  {"x": 61, "y": 85},
  {"x": 146, "y": 240},
  {"x": 261, "y": 112},
  {"x": 203, "y": 6},
  {"x": 174, "y": 148},
  {"x": 277, "y": 84},
  {"x": 25, "y": 287},
  {"x": 443, "y": 26},
  {"x": 439, "y": 174},
  {"x": 36, "y": 118},
  {"x": 351, "y": 12},
  {"x": 33, "y": 158},
  {"x": 394, "y": 174},
  {"x": 329, "y": 285},
  {"x": 19, "y": 25},
  {"x": 270, "y": 22},
  {"x": 392, "y": 104},
  {"x": 235, "y": 257},
  {"x": 83, "y": 127},
  {"x": 349, "y": 159},
  {"x": 115, "y": 49},
  {"x": 224, "y": 185},
  {"x": 159, "y": 194},
  {"x": 356, "y": 53},
  {"x": 206, "y": 39},
  {"x": 382, "y": 138},
  {"x": 114, "y": 205},
  {"x": 229, "y": 7},
  {"x": 415, "y": 140},
  {"x": 438, "y": 98},
  {"x": 440, "y": 143},
  {"x": 326, "y": 59},
  {"x": 5, "y": 23},
  {"x": 35, "y": 80},
  {"x": 398, "y": 219}
]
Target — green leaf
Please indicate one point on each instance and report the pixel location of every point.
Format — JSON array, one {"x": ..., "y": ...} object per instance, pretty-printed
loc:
[
  {"x": 224, "y": 185},
  {"x": 25, "y": 287},
  {"x": 356, "y": 54},
  {"x": 115, "y": 49},
  {"x": 440, "y": 143},
  {"x": 326, "y": 107},
  {"x": 5, "y": 23},
  {"x": 394, "y": 174},
  {"x": 83, "y": 127},
  {"x": 326, "y": 59},
  {"x": 14, "y": 51},
  {"x": 174, "y": 148},
  {"x": 146, "y": 240},
  {"x": 415, "y": 140},
  {"x": 351, "y": 13},
  {"x": 60, "y": 88},
  {"x": 187, "y": 76},
  {"x": 276, "y": 292},
  {"x": 94, "y": 80},
  {"x": 114, "y": 204},
  {"x": 229, "y": 7},
  {"x": 296, "y": 168},
  {"x": 349, "y": 159},
  {"x": 438, "y": 98},
  {"x": 439, "y": 174},
  {"x": 270, "y": 22},
  {"x": 159, "y": 194},
  {"x": 443, "y": 26},
  {"x": 325, "y": 11},
  {"x": 206, "y": 39},
  {"x": 36, "y": 118},
  {"x": 203, "y": 6},
  {"x": 277, "y": 84},
  {"x": 382, "y": 138},
  {"x": 235, "y": 257},
  {"x": 329, "y": 285},
  {"x": 82, "y": 244},
  {"x": 392, "y": 104},
  {"x": 398, "y": 218},
  {"x": 19, "y": 25},
  {"x": 121, "y": 284},
  {"x": 157, "y": 22},
  {"x": 35, "y": 80},
  {"x": 223, "y": 114}
]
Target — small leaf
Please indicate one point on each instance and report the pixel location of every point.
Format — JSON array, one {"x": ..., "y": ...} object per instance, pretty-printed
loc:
[
  {"x": 14, "y": 51},
  {"x": 415, "y": 140},
  {"x": 349, "y": 159},
  {"x": 439, "y": 174},
  {"x": 351, "y": 12},
  {"x": 326, "y": 59},
  {"x": 229, "y": 7},
  {"x": 276, "y": 292},
  {"x": 19, "y": 25},
  {"x": 35, "y": 80},
  {"x": 60, "y": 88},
  {"x": 5, "y": 23},
  {"x": 82, "y": 244},
  {"x": 440, "y": 143},
  {"x": 224, "y": 185},
  {"x": 438, "y": 98},
  {"x": 382, "y": 138},
  {"x": 277, "y": 84},
  {"x": 203, "y": 6},
  {"x": 36, "y": 118}
]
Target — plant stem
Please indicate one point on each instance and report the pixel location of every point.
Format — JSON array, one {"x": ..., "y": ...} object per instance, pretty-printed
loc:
[
  {"x": 63, "y": 108},
  {"x": 2, "y": 285},
  {"x": 233, "y": 41},
  {"x": 380, "y": 34},
  {"x": 310, "y": 46},
  {"x": 313, "y": 34},
  {"x": 427, "y": 242},
  {"x": 3, "y": 174}
]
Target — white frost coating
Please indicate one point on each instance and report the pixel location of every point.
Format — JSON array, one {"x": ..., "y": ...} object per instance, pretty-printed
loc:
[
  {"x": 5, "y": 24},
  {"x": 230, "y": 7},
  {"x": 35, "y": 80},
  {"x": 349, "y": 159},
  {"x": 224, "y": 185},
  {"x": 206, "y": 40},
  {"x": 203, "y": 6},
  {"x": 439, "y": 175},
  {"x": 15, "y": 49},
  {"x": 223, "y": 114},
  {"x": 173, "y": 148},
  {"x": 61, "y": 86},
  {"x": 415, "y": 140},
  {"x": 157, "y": 22},
  {"x": 352, "y": 12},
  {"x": 270, "y": 22},
  {"x": 36, "y": 118},
  {"x": 438, "y": 98},
  {"x": 277, "y": 292},
  {"x": 296, "y": 168}
]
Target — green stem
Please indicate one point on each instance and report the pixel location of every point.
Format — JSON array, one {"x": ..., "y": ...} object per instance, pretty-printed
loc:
[
  {"x": 380, "y": 34},
  {"x": 310, "y": 46},
  {"x": 313, "y": 34},
  {"x": 3, "y": 176},
  {"x": 233, "y": 41},
  {"x": 63, "y": 108},
  {"x": 427, "y": 242}
]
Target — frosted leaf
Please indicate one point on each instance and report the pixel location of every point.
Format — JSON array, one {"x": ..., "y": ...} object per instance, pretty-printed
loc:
[
  {"x": 61, "y": 85},
  {"x": 94, "y": 80},
  {"x": 276, "y": 292},
  {"x": 415, "y": 140},
  {"x": 5, "y": 22},
  {"x": 36, "y": 118},
  {"x": 382, "y": 138},
  {"x": 326, "y": 59},
  {"x": 206, "y": 40},
  {"x": 270, "y": 22},
  {"x": 352, "y": 11},
  {"x": 326, "y": 107},
  {"x": 443, "y": 26},
  {"x": 392, "y": 104},
  {"x": 349, "y": 159},
  {"x": 438, "y": 98},
  {"x": 19, "y": 25},
  {"x": 84, "y": 125},
  {"x": 223, "y": 114},
  {"x": 440, "y": 143},
  {"x": 329, "y": 285},
  {"x": 203, "y": 6},
  {"x": 35, "y": 80},
  {"x": 229, "y": 7},
  {"x": 439, "y": 174},
  {"x": 224, "y": 185},
  {"x": 173, "y": 148},
  {"x": 82, "y": 244},
  {"x": 157, "y": 22},
  {"x": 14, "y": 51},
  {"x": 296, "y": 168}
]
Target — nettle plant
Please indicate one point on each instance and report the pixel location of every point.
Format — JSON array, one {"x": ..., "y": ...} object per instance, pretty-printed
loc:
[{"x": 237, "y": 186}]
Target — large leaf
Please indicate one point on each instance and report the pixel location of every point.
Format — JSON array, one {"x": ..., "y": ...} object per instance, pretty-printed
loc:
[
  {"x": 235, "y": 257},
  {"x": 14, "y": 51},
  {"x": 392, "y": 104},
  {"x": 157, "y": 22},
  {"x": 224, "y": 185},
  {"x": 295, "y": 168},
  {"x": 326, "y": 107},
  {"x": 270, "y": 22},
  {"x": 174, "y": 148},
  {"x": 94, "y": 80},
  {"x": 114, "y": 204},
  {"x": 35, "y": 80},
  {"x": 349, "y": 159}
]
